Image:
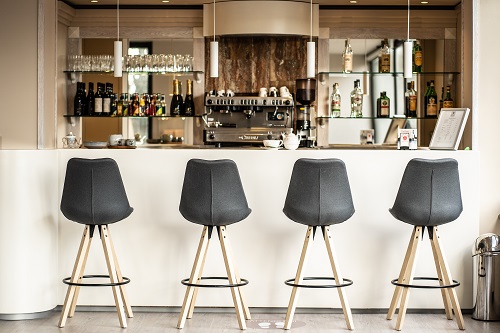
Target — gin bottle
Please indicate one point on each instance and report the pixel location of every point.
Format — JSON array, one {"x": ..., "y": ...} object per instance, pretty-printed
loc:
[
  {"x": 335, "y": 101},
  {"x": 347, "y": 57},
  {"x": 357, "y": 100}
]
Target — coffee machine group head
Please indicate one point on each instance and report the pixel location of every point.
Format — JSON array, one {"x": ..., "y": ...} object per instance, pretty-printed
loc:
[{"x": 305, "y": 96}]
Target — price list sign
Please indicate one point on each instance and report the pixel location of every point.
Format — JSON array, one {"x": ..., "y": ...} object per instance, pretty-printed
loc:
[{"x": 449, "y": 128}]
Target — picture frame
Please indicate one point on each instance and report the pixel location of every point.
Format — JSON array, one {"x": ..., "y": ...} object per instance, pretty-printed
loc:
[{"x": 449, "y": 128}]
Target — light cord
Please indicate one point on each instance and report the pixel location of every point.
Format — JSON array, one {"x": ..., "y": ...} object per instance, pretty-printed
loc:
[
  {"x": 408, "y": 33},
  {"x": 118, "y": 19},
  {"x": 214, "y": 20},
  {"x": 311, "y": 20}
]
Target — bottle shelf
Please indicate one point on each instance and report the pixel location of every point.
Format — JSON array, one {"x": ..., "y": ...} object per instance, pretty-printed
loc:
[
  {"x": 388, "y": 74},
  {"x": 377, "y": 118},
  {"x": 135, "y": 117}
]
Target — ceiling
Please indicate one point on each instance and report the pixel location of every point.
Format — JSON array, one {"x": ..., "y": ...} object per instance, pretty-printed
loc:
[{"x": 77, "y": 3}]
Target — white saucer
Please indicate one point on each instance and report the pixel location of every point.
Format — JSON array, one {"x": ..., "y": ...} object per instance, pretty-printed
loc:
[{"x": 270, "y": 148}]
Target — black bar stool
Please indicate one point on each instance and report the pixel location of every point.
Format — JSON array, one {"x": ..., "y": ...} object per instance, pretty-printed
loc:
[
  {"x": 94, "y": 195},
  {"x": 319, "y": 195},
  {"x": 429, "y": 196},
  {"x": 213, "y": 196}
]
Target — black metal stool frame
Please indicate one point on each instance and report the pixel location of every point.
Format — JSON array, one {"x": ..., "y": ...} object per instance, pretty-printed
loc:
[
  {"x": 340, "y": 282},
  {"x": 235, "y": 282},
  {"x": 406, "y": 277},
  {"x": 117, "y": 280}
]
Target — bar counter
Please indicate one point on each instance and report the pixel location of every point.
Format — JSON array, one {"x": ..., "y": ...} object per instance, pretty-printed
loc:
[{"x": 156, "y": 245}]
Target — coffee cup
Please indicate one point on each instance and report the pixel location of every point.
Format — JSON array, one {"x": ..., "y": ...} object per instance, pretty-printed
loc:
[
  {"x": 131, "y": 142},
  {"x": 273, "y": 143},
  {"x": 273, "y": 92},
  {"x": 114, "y": 138},
  {"x": 263, "y": 92},
  {"x": 122, "y": 142},
  {"x": 229, "y": 93}
]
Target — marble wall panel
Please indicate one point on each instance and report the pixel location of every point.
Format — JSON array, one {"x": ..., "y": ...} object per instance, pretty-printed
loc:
[{"x": 247, "y": 63}]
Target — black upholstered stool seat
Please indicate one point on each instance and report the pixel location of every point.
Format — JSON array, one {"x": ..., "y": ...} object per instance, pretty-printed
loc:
[
  {"x": 319, "y": 195},
  {"x": 213, "y": 196},
  {"x": 429, "y": 195},
  {"x": 94, "y": 195}
]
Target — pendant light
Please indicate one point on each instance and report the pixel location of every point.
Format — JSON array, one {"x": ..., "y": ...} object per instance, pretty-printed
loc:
[
  {"x": 311, "y": 52},
  {"x": 214, "y": 54},
  {"x": 407, "y": 51},
  {"x": 118, "y": 45}
]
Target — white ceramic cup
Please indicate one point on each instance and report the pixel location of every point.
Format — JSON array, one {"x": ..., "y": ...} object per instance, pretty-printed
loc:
[
  {"x": 263, "y": 92},
  {"x": 273, "y": 143},
  {"x": 114, "y": 139}
]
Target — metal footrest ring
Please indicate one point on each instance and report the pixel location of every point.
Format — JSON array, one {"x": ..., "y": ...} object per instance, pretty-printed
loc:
[
  {"x": 243, "y": 282},
  {"x": 346, "y": 283},
  {"x": 82, "y": 284},
  {"x": 453, "y": 285}
]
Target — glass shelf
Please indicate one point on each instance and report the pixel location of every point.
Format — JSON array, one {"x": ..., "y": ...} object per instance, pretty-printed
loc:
[
  {"x": 137, "y": 72},
  {"x": 388, "y": 74},
  {"x": 136, "y": 117},
  {"x": 382, "y": 118}
]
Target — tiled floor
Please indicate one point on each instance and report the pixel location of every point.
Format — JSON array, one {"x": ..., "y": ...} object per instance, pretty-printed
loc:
[{"x": 207, "y": 322}]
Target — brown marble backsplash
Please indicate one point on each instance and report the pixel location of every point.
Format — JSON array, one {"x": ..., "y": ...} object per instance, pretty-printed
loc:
[{"x": 249, "y": 63}]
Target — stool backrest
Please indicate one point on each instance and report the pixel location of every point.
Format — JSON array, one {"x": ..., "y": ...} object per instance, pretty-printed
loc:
[
  {"x": 429, "y": 193},
  {"x": 93, "y": 192},
  {"x": 212, "y": 193},
  {"x": 319, "y": 192}
]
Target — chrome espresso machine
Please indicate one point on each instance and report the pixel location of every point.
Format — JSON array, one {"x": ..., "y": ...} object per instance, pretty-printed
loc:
[{"x": 245, "y": 120}]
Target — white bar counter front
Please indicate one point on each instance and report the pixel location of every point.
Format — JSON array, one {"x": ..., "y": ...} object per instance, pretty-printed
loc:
[{"x": 156, "y": 245}]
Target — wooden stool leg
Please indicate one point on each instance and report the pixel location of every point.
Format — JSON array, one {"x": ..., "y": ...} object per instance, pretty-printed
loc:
[
  {"x": 338, "y": 276},
  {"x": 80, "y": 275},
  {"x": 231, "y": 274},
  {"x": 195, "y": 274},
  {"x": 192, "y": 302},
  {"x": 447, "y": 279},
  {"x": 123, "y": 290},
  {"x": 80, "y": 258},
  {"x": 298, "y": 277},
  {"x": 408, "y": 278},
  {"x": 246, "y": 310},
  {"x": 110, "y": 262},
  {"x": 402, "y": 274},
  {"x": 444, "y": 293}
]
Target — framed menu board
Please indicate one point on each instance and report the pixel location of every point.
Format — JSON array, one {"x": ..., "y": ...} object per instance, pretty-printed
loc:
[{"x": 449, "y": 128}]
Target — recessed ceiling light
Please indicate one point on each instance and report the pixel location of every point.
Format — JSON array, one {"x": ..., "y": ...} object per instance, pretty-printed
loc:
[
  {"x": 94, "y": 1},
  {"x": 424, "y": 2},
  {"x": 165, "y": 1},
  {"x": 353, "y": 1}
]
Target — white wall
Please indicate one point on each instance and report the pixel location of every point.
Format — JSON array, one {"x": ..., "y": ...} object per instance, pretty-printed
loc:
[
  {"x": 18, "y": 68},
  {"x": 489, "y": 113}
]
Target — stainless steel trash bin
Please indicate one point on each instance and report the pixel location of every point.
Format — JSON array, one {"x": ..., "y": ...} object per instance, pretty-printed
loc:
[{"x": 486, "y": 281}]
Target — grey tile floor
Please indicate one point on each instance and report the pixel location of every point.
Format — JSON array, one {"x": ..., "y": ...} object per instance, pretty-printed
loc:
[{"x": 208, "y": 322}]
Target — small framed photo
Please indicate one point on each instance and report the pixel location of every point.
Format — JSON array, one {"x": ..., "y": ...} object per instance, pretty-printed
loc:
[{"x": 449, "y": 128}]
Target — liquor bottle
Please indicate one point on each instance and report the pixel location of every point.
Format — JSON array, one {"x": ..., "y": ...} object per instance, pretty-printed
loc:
[
  {"x": 134, "y": 108},
  {"x": 144, "y": 105},
  {"x": 106, "y": 101},
  {"x": 410, "y": 100},
  {"x": 98, "y": 99},
  {"x": 189, "y": 101},
  {"x": 441, "y": 100},
  {"x": 384, "y": 59},
  {"x": 347, "y": 57},
  {"x": 335, "y": 101},
  {"x": 383, "y": 105},
  {"x": 90, "y": 100},
  {"x": 80, "y": 101},
  {"x": 448, "y": 101},
  {"x": 431, "y": 101},
  {"x": 176, "y": 103},
  {"x": 357, "y": 100},
  {"x": 152, "y": 105},
  {"x": 418, "y": 57}
]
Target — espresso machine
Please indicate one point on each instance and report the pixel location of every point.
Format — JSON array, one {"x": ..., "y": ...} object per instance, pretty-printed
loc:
[
  {"x": 245, "y": 120},
  {"x": 305, "y": 96}
]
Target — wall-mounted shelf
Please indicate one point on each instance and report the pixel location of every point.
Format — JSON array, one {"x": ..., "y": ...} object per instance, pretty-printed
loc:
[{"x": 196, "y": 74}]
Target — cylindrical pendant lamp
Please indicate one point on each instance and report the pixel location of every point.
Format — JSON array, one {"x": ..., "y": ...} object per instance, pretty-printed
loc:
[
  {"x": 311, "y": 59},
  {"x": 118, "y": 59},
  {"x": 407, "y": 59},
  {"x": 214, "y": 59}
]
